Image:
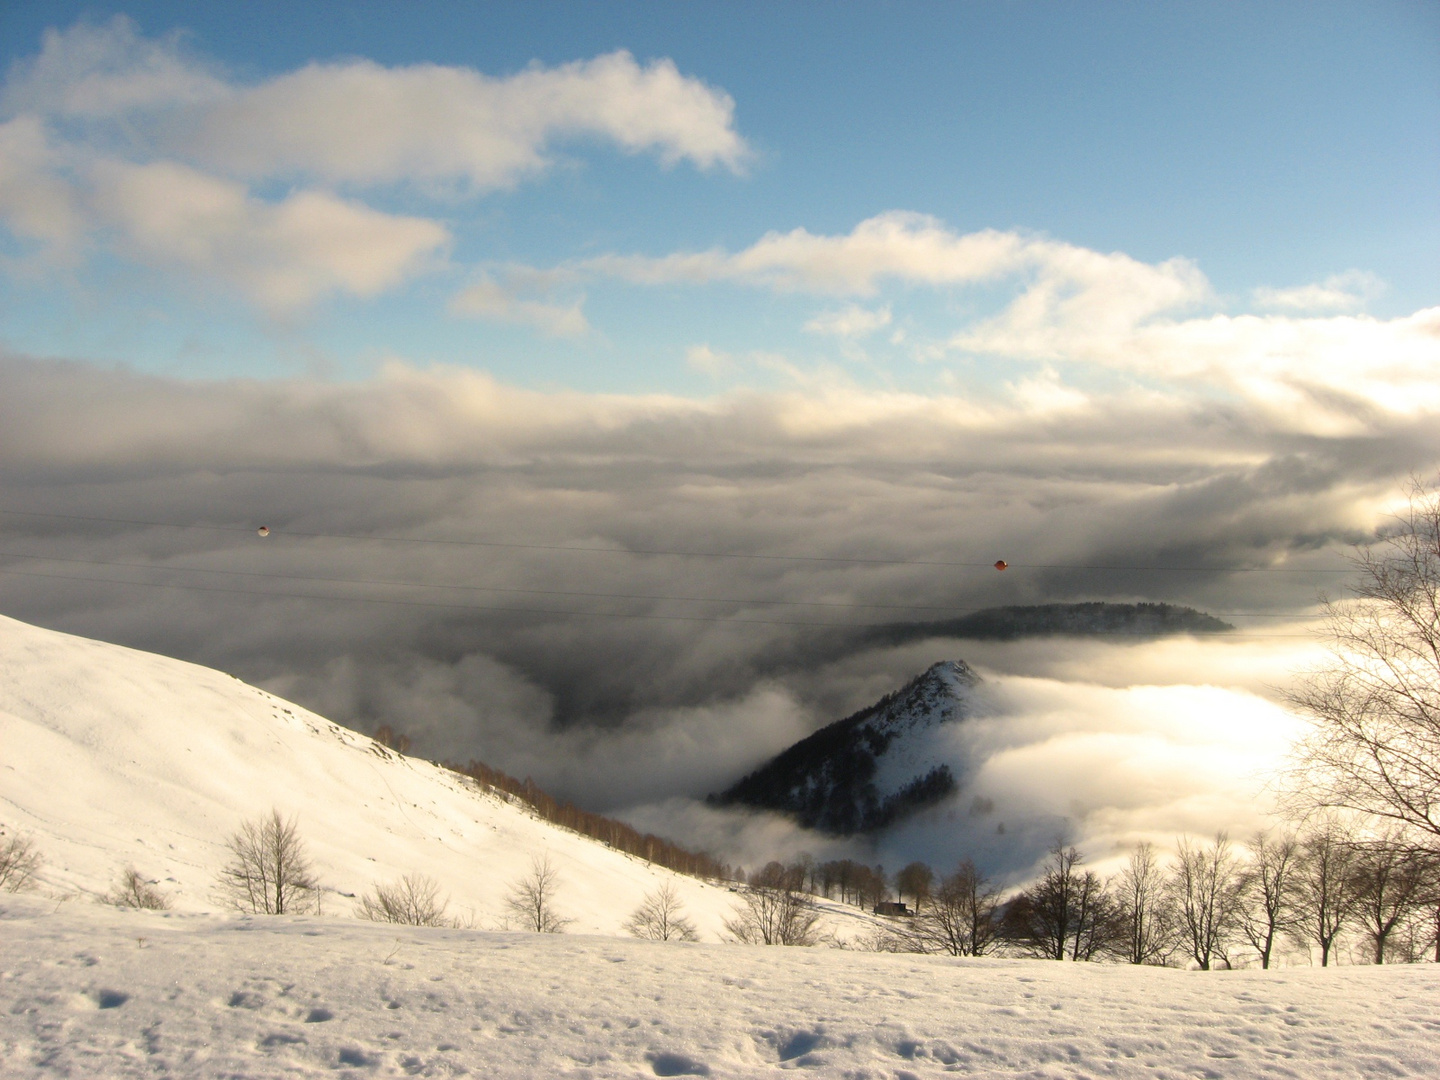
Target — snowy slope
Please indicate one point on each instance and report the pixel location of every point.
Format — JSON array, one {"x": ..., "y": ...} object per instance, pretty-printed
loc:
[
  {"x": 870, "y": 769},
  {"x": 90, "y": 992},
  {"x": 111, "y": 757}
]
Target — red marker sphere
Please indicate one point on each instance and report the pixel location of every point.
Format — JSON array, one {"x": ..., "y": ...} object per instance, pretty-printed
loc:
[{"x": 1001, "y": 564}]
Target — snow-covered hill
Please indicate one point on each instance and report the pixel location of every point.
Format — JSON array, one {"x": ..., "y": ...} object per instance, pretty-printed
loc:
[
  {"x": 870, "y": 769},
  {"x": 111, "y": 757}
]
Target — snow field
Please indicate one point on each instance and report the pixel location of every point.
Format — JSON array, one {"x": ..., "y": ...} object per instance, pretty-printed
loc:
[{"x": 87, "y": 991}]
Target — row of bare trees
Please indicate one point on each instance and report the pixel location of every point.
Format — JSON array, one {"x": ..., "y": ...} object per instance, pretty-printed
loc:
[
  {"x": 269, "y": 873},
  {"x": 1210, "y": 904}
]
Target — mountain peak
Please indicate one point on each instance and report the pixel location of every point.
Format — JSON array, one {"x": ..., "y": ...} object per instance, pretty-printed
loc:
[
  {"x": 954, "y": 673},
  {"x": 870, "y": 769}
]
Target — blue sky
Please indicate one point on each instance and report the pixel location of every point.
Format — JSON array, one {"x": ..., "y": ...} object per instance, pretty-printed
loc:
[{"x": 1273, "y": 146}]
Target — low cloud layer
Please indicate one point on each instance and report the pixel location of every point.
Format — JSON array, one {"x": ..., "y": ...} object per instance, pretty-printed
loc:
[
  {"x": 635, "y": 599},
  {"x": 1042, "y": 759}
]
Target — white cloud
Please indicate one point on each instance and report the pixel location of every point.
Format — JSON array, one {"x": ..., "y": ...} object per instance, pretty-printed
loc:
[
  {"x": 362, "y": 123},
  {"x": 1340, "y": 293},
  {"x": 156, "y": 145},
  {"x": 896, "y": 245},
  {"x": 915, "y": 249},
  {"x": 490, "y": 300},
  {"x": 35, "y": 201},
  {"x": 710, "y": 361},
  {"x": 1322, "y": 375},
  {"x": 853, "y": 321},
  {"x": 96, "y": 71},
  {"x": 284, "y": 255},
  {"x": 1075, "y": 308}
]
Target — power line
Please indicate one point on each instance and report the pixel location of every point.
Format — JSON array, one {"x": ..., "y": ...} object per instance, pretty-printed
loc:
[
  {"x": 676, "y": 552},
  {"x": 270, "y": 594},
  {"x": 841, "y": 604}
]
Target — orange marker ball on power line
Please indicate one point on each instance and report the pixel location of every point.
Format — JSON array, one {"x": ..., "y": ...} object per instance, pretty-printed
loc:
[{"x": 1001, "y": 564}]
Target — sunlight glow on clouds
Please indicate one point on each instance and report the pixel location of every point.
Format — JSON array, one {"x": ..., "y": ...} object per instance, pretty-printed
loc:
[
  {"x": 1102, "y": 767},
  {"x": 1074, "y": 308},
  {"x": 1145, "y": 762}
]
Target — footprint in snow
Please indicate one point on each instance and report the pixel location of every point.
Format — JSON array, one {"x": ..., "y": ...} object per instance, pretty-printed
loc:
[
  {"x": 100, "y": 999},
  {"x": 669, "y": 1064}
]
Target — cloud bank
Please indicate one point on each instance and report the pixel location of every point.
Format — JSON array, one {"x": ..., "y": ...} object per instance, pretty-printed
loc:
[
  {"x": 500, "y": 573},
  {"x": 1089, "y": 314}
]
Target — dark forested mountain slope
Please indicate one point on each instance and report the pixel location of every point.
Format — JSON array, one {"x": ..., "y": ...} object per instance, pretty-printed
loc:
[{"x": 870, "y": 769}]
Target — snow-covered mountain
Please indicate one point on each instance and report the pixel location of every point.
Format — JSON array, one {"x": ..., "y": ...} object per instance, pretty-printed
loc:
[
  {"x": 110, "y": 757},
  {"x": 870, "y": 769}
]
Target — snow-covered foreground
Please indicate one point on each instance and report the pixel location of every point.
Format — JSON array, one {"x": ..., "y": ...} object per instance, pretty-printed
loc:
[{"x": 88, "y": 991}]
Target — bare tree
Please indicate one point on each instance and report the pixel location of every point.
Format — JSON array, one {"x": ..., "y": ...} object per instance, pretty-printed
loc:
[
  {"x": 269, "y": 870},
  {"x": 1324, "y": 885},
  {"x": 1432, "y": 929},
  {"x": 874, "y": 887},
  {"x": 413, "y": 900},
  {"x": 1374, "y": 746},
  {"x": 661, "y": 917},
  {"x": 961, "y": 916},
  {"x": 1267, "y": 908},
  {"x": 1206, "y": 886},
  {"x": 1067, "y": 914},
  {"x": 19, "y": 863},
  {"x": 531, "y": 902},
  {"x": 915, "y": 880},
  {"x": 1146, "y": 915},
  {"x": 1391, "y": 883},
  {"x": 133, "y": 891},
  {"x": 774, "y": 911}
]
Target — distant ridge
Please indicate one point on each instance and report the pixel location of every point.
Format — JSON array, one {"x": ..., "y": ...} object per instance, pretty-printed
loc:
[{"x": 1039, "y": 620}]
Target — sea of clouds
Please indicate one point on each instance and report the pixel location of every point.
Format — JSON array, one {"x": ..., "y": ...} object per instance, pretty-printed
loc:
[{"x": 637, "y": 597}]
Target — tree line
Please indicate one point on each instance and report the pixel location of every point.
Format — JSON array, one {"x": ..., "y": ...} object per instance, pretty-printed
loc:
[
  {"x": 1206, "y": 905},
  {"x": 615, "y": 834}
]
